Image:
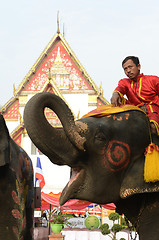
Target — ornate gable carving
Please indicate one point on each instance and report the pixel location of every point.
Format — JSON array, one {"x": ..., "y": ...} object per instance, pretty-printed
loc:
[
  {"x": 58, "y": 71},
  {"x": 63, "y": 71}
]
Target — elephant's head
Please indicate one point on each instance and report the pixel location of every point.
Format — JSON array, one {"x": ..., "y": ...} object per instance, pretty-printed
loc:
[{"x": 106, "y": 154}]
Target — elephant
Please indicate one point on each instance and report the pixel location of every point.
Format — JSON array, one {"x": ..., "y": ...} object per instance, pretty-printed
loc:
[
  {"x": 16, "y": 189},
  {"x": 106, "y": 156}
]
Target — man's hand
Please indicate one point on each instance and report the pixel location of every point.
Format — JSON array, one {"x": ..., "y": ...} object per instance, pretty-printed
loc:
[{"x": 115, "y": 99}]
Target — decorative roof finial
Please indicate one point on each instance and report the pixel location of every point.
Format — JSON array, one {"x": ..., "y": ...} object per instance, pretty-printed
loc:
[
  {"x": 63, "y": 30},
  {"x": 78, "y": 115},
  {"x": 58, "y": 28},
  {"x": 14, "y": 90},
  {"x": 100, "y": 89}
]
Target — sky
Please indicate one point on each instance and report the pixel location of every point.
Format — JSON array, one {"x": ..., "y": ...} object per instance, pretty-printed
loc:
[{"x": 100, "y": 32}]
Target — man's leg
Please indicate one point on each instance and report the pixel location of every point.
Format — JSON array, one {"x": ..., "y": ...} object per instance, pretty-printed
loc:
[{"x": 153, "y": 128}]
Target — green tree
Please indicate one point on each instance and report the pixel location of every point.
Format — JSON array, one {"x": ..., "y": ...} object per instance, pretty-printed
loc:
[{"x": 105, "y": 229}]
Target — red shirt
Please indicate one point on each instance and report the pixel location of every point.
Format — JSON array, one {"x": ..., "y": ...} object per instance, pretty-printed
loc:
[{"x": 145, "y": 91}]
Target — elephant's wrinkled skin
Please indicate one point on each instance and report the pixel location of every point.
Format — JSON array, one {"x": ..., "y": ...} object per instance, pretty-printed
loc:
[
  {"x": 106, "y": 156},
  {"x": 16, "y": 189}
]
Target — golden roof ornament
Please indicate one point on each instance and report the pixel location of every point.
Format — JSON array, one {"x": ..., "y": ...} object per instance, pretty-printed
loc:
[
  {"x": 58, "y": 57},
  {"x": 78, "y": 115},
  {"x": 14, "y": 90},
  {"x": 100, "y": 92},
  {"x": 63, "y": 30},
  {"x": 58, "y": 66},
  {"x": 58, "y": 28}
]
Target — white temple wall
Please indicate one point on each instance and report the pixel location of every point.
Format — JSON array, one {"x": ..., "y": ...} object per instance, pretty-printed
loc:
[
  {"x": 11, "y": 125},
  {"x": 77, "y": 102},
  {"x": 27, "y": 145},
  {"x": 21, "y": 110},
  {"x": 90, "y": 108}
]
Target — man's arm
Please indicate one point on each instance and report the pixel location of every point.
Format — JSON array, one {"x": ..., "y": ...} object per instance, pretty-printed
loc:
[
  {"x": 115, "y": 99},
  {"x": 119, "y": 92}
]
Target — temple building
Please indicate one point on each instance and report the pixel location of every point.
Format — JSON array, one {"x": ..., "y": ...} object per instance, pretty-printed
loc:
[{"x": 57, "y": 70}]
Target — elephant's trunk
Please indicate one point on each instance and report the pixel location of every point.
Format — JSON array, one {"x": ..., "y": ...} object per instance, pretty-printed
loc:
[{"x": 60, "y": 145}]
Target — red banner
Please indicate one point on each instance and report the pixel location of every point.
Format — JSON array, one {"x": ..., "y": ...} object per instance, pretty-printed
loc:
[{"x": 74, "y": 204}]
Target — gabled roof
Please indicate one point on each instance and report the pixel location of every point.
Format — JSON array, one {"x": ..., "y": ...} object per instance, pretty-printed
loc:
[
  {"x": 57, "y": 59},
  {"x": 57, "y": 43},
  {"x": 58, "y": 37}
]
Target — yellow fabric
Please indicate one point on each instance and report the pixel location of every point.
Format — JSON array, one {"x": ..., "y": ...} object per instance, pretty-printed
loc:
[
  {"x": 109, "y": 109},
  {"x": 151, "y": 168}
]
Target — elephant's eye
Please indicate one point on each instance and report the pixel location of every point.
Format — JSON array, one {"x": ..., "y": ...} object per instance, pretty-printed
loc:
[{"x": 100, "y": 136}]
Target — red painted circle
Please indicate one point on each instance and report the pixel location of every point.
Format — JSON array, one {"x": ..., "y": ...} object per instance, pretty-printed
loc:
[{"x": 117, "y": 155}]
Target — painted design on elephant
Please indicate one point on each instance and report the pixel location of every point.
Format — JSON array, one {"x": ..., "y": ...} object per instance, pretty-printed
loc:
[
  {"x": 127, "y": 116},
  {"x": 117, "y": 155},
  {"x": 20, "y": 190},
  {"x": 117, "y": 118},
  {"x": 20, "y": 199},
  {"x": 120, "y": 118},
  {"x": 16, "y": 214},
  {"x": 15, "y": 197}
]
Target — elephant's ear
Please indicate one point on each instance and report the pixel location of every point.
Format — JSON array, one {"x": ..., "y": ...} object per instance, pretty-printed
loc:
[
  {"x": 4, "y": 143},
  {"x": 133, "y": 182}
]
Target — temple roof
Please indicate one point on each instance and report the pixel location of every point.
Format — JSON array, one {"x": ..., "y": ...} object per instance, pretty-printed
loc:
[
  {"x": 56, "y": 47},
  {"x": 57, "y": 70}
]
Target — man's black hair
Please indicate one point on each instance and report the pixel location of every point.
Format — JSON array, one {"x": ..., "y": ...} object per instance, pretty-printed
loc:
[{"x": 133, "y": 58}]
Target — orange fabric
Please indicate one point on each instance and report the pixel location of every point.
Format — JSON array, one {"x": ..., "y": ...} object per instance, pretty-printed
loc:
[{"x": 109, "y": 109}]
